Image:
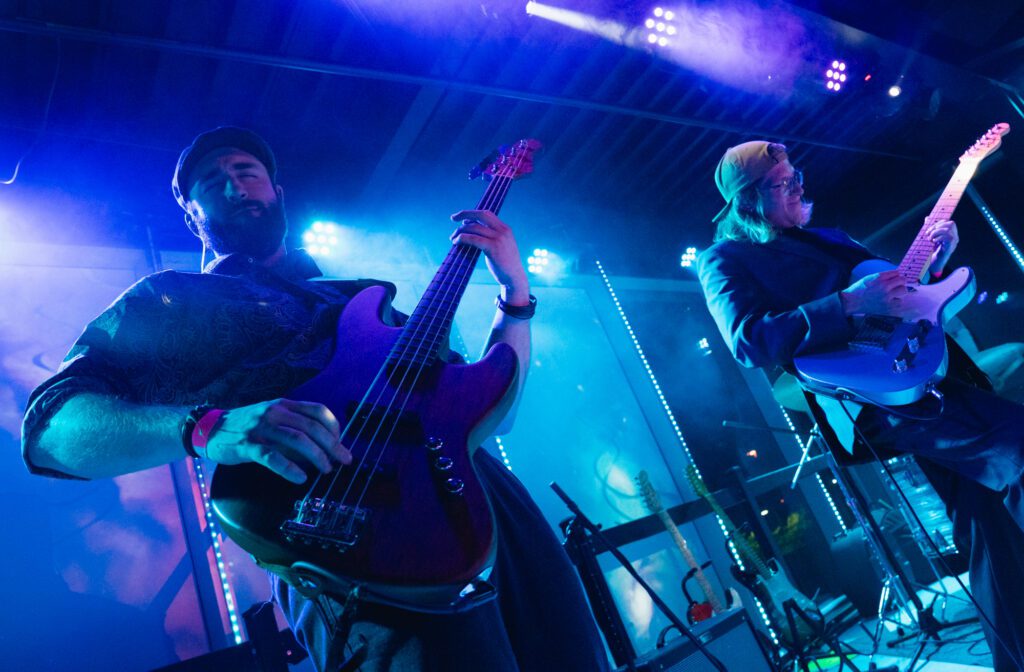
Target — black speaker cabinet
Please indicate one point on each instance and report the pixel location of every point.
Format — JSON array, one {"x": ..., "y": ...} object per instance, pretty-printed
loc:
[{"x": 729, "y": 637}]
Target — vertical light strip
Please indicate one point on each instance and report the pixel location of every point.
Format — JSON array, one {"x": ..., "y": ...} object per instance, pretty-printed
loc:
[
  {"x": 994, "y": 223},
  {"x": 824, "y": 490},
  {"x": 504, "y": 455},
  {"x": 675, "y": 426},
  {"x": 211, "y": 526}
]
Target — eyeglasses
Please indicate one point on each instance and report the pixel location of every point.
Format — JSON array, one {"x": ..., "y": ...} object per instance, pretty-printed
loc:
[{"x": 789, "y": 185}]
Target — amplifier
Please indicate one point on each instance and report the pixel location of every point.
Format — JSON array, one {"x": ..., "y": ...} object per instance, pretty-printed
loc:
[{"x": 729, "y": 637}]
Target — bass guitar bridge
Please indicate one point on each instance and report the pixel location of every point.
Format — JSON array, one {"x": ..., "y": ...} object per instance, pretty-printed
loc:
[{"x": 326, "y": 523}]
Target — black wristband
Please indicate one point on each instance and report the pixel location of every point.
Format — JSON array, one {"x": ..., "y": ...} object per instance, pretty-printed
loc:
[
  {"x": 518, "y": 312},
  {"x": 189, "y": 426}
]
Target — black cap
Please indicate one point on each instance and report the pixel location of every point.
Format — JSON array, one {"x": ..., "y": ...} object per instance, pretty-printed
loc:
[{"x": 222, "y": 136}]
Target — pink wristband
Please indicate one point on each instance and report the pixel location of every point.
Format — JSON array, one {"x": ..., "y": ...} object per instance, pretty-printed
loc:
[{"x": 204, "y": 428}]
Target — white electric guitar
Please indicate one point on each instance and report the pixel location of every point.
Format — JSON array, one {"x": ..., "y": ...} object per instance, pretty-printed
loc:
[{"x": 893, "y": 361}]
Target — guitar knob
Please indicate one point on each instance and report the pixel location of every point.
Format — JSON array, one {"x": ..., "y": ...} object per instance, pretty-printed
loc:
[
  {"x": 434, "y": 444},
  {"x": 443, "y": 463},
  {"x": 899, "y": 365},
  {"x": 454, "y": 485}
]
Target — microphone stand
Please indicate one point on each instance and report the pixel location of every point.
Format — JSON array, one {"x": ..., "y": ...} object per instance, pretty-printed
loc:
[
  {"x": 804, "y": 456},
  {"x": 596, "y": 532}
]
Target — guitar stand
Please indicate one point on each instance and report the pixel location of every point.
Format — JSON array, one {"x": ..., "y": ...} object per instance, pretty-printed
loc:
[
  {"x": 896, "y": 584},
  {"x": 596, "y": 533},
  {"x": 803, "y": 650}
]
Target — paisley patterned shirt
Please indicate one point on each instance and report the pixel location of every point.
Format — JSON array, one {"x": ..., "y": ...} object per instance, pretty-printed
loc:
[{"x": 233, "y": 335}]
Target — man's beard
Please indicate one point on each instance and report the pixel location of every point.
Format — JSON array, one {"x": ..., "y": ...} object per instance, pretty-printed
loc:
[{"x": 257, "y": 236}]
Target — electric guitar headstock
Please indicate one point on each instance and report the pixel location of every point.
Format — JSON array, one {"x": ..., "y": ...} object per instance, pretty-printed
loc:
[
  {"x": 651, "y": 499},
  {"x": 986, "y": 144},
  {"x": 696, "y": 482},
  {"x": 508, "y": 161}
]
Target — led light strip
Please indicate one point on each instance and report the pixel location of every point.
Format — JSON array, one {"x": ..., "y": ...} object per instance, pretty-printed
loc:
[
  {"x": 211, "y": 525},
  {"x": 824, "y": 490},
  {"x": 678, "y": 431},
  {"x": 994, "y": 223},
  {"x": 504, "y": 455}
]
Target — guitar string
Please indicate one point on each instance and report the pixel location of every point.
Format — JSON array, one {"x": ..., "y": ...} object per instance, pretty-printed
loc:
[
  {"x": 457, "y": 260},
  {"x": 360, "y": 467},
  {"x": 490, "y": 202},
  {"x": 353, "y": 420},
  {"x": 397, "y": 388},
  {"x": 388, "y": 383},
  {"x": 910, "y": 267},
  {"x": 462, "y": 254}
]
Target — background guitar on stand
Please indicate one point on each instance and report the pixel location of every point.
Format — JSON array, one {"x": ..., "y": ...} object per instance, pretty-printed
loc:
[
  {"x": 695, "y": 611},
  {"x": 767, "y": 583}
]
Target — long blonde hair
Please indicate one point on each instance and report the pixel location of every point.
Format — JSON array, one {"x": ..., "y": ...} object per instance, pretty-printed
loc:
[{"x": 746, "y": 220}]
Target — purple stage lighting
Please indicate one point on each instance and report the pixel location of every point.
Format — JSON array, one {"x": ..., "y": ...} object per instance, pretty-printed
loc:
[{"x": 835, "y": 76}]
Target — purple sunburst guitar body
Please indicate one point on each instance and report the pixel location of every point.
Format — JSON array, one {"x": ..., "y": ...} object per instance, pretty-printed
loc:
[
  {"x": 408, "y": 523},
  {"x": 894, "y": 361}
]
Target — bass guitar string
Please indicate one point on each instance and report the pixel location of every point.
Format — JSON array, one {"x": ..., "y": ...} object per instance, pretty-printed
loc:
[
  {"x": 349, "y": 425},
  {"x": 491, "y": 202},
  {"x": 457, "y": 260}
]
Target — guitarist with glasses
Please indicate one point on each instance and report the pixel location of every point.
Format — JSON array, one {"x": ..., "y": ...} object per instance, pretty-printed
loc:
[{"x": 866, "y": 339}]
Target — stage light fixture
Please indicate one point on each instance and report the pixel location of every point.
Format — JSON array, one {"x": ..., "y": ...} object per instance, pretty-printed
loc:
[
  {"x": 321, "y": 238},
  {"x": 538, "y": 262},
  {"x": 835, "y": 76},
  {"x": 895, "y": 90},
  {"x": 704, "y": 346},
  {"x": 660, "y": 26},
  {"x": 1003, "y": 297},
  {"x": 689, "y": 257}
]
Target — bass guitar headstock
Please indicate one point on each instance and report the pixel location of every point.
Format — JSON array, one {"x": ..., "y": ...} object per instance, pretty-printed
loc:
[{"x": 508, "y": 161}]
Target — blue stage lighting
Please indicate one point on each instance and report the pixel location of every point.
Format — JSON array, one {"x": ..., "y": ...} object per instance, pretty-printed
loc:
[
  {"x": 321, "y": 239},
  {"x": 689, "y": 257},
  {"x": 538, "y": 263}
]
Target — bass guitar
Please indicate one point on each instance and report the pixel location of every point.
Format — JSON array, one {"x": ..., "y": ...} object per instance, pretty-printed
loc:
[
  {"x": 695, "y": 611},
  {"x": 408, "y": 522},
  {"x": 764, "y": 579},
  {"x": 892, "y": 360}
]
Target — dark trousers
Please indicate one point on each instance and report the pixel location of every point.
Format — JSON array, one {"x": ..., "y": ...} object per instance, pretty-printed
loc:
[
  {"x": 973, "y": 454},
  {"x": 539, "y": 622}
]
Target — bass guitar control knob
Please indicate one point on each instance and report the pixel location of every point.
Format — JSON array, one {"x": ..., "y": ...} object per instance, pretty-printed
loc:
[
  {"x": 454, "y": 485},
  {"x": 443, "y": 463}
]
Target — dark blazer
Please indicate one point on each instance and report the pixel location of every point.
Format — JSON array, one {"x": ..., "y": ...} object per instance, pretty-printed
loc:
[{"x": 772, "y": 299}]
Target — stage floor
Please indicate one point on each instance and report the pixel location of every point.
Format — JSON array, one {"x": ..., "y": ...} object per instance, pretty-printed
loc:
[{"x": 961, "y": 649}]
